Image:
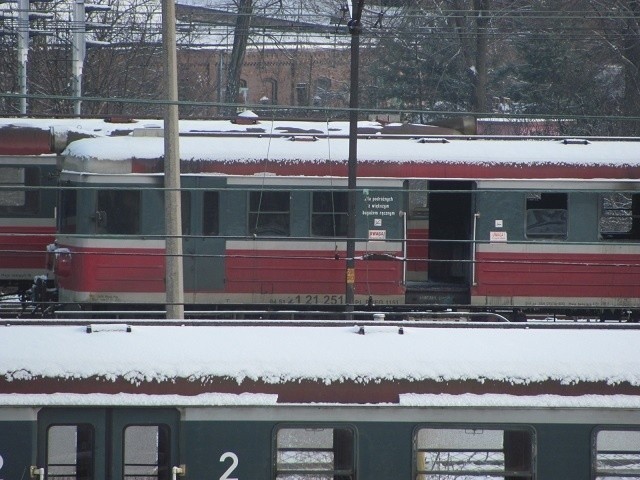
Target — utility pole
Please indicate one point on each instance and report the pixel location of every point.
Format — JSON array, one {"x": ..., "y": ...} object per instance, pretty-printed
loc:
[
  {"x": 23, "y": 52},
  {"x": 79, "y": 47},
  {"x": 172, "y": 203},
  {"x": 355, "y": 28},
  {"x": 78, "y": 52}
]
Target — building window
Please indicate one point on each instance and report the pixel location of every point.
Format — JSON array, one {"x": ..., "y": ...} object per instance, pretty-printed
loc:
[
  {"x": 473, "y": 453},
  {"x": 617, "y": 454},
  {"x": 329, "y": 214},
  {"x": 322, "y": 92},
  {"x": 315, "y": 454},
  {"x": 271, "y": 91},
  {"x": 302, "y": 94},
  {"x": 243, "y": 91},
  {"x": 210, "y": 214},
  {"x": 21, "y": 200},
  {"x": 70, "y": 452},
  {"x": 146, "y": 452},
  {"x": 118, "y": 212},
  {"x": 546, "y": 215},
  {"x": 269, "y": 213},
  {"x": 620, "y": 216}
]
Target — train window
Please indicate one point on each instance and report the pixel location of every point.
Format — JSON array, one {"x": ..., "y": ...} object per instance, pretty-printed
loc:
[
  {"x": 70, "y": 452},
  {"x": 315, "y": 453},
  {"x": 620, "y": 216},
  {"x": 617, "y": 454},
  {"x": 146, "y": 452},
  {"x": 118, "y": 212},
  {"x": 269, "y": 213},
  {"x": 185, "y": 211},
  {"x": 20, "y": 200},
  {"x": 418, "y": 200},
  {"x": 68, "y": 210},
  {"x": 211, "y": 213},
  {"x": 329, "y": 214},
  {"x": 473, "y": 453},
  {"x": 546, "y": 215}
]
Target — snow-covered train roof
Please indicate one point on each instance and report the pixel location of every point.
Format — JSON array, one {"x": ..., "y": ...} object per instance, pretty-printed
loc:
[
  {"x": 378, "y": 156},
  {"x": 239, "y": 365}
]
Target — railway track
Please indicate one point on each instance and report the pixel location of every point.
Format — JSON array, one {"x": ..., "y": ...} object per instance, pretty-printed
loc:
[{"x": 15, "y": 315}]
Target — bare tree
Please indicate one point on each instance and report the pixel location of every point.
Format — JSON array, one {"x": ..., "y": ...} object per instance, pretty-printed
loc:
[{"x": 619, "y": 30}]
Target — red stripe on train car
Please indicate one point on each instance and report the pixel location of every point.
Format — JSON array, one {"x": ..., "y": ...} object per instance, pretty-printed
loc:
[
  {"x": 115, "y": 270},
  {"x": 24, "y": 247},
  {"x": 399, "y": 170},
  {"x": 281, "y": 272},
  {"x": 417, "y": 248},
  {"x": 556, "y": 275}
]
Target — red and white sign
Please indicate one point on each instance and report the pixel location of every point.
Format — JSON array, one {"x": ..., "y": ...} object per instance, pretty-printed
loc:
[{"x": 498, "y": 236}]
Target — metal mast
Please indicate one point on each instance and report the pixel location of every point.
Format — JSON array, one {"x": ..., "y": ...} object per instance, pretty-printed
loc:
[{"x": 355, "y": 27}]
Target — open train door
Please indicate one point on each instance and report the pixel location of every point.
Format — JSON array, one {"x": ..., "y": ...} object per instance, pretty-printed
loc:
[{"x": 445, "y": 277}]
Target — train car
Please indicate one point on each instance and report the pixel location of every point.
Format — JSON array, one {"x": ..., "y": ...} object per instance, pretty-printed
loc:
[
  {"x": 29, "y": 167},
  {"x": 546, "y": 225},
  {"x": 98, "y": 401},
  {"x": 28, "y": 184},
  {"x": 29, "y": 151}
]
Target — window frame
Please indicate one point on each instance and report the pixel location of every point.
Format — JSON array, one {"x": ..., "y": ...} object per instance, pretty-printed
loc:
[
  {"x": 101, "y": 218},
  {"x": 545, "y": 236},
  {"x": 88, "y": 463},
  {"x": 333, "y": 215},
  {"x": 334, "y": 473},
  {"x": 254, "y": 224},
  {"x": 633, "y": 233},
  {"x": 163, "y": 471},
  {"x": 210, "y": 223},
  {"x": 419, "y": 474},
  {"x": 29, "y": 187},
  {"x": 595, "y": 472}
]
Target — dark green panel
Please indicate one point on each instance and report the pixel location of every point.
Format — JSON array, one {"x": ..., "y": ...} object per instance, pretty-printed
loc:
[
  {"x": 153, "y": 212},
  {"x": 564, "y": 452},
  {"x": 233, "y": 212},
  {"x": 16, "y": 449},
  {"x": 210, "y": 449},
  {"x": 300, "y": 211},
  {"x": 500, "y": 205},
  {"x": 209, "y": 249},
  {"x": 583, "y": 217},
  {"x": 385, "y": 450},
  {"x": 378, "y": 209}
]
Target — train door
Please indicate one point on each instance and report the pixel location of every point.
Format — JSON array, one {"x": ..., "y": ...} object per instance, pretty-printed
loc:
[
  {"x": 203, "y": 245},
  {"x": 450, "y": 231},
  {"x": 439, "y": 241},
  {"x": 107, "y": 443}
]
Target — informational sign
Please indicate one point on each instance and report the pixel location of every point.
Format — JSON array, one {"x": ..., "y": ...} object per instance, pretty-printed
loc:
[
  {"x": 379, "y": 206},
  {"x": 500, "y": 236},
  {"x": 377, "y": 234}
]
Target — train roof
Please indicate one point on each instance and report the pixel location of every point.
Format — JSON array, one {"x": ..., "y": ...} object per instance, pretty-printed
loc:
[
  {"x": 378, "y": 156},
  {"x": 346, "y": 364}
]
